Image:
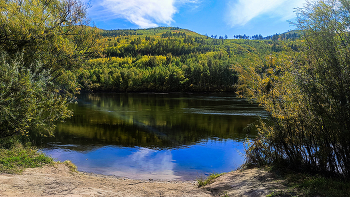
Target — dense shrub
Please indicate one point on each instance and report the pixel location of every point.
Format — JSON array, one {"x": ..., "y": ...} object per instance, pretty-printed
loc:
[{"x": 307, "y": 95}]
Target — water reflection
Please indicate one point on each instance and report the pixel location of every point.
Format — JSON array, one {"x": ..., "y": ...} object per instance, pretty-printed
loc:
[
  {"x": 143, "y": 163},
  {"x": 160, "y": 136}
]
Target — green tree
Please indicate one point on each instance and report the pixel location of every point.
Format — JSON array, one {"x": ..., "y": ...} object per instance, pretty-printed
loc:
[
  {"x": 52, "y": 31},
  {"x": 308, "y": 96},
  {"x": 40, "y": 42},
  {"x": 28, "y": 106},
  {"x": 325, "y": 81}
]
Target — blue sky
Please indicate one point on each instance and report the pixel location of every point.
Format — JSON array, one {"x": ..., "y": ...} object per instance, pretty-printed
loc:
[{"x": 222, "y": 17}]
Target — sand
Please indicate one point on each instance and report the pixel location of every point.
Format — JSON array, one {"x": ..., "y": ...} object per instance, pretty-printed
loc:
[{"x": 58, "y": 180}]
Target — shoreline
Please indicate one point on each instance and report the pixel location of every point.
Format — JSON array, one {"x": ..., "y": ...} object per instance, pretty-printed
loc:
[{"x": 59, "y": 180}]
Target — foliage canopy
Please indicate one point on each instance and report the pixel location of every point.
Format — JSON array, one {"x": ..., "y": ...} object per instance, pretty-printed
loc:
[
  {"x": 40, "y": 41},
  {"x": 307, "y": 95}
]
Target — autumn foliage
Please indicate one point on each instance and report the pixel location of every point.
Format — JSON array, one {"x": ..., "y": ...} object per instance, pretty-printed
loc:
[{"x": 307, "y": 95}]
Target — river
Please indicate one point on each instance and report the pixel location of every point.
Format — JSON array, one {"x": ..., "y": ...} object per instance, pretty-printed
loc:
[{"x": 155, "y": 136}]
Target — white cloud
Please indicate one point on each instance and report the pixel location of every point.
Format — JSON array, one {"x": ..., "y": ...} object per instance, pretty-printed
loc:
[
  {"x": 143, "y": 13},
  {"x": 242, "y": 11}
]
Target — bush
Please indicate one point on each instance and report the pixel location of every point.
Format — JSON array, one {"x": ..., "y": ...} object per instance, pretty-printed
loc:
[
  {"x": 307, "y": 95},
  {"x": 29, "y": 101}
]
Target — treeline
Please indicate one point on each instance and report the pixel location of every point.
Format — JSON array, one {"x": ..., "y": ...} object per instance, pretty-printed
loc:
[
  {"x": 205, "y": 72},
  {"x": 293, "y": 35},
  {"x": 116, "y": 33},
  {"x": 133, "y": 32}
]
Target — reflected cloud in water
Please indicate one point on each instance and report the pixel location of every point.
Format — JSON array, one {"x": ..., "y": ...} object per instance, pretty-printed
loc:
[{"x": 186, "y": 163}]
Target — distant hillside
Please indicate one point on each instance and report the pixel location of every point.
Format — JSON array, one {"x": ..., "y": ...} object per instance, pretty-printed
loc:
[
  {"x": 171, "y": 59},
  {"x": 159, "y": 31},
  {"x": 165, "y": 32}
]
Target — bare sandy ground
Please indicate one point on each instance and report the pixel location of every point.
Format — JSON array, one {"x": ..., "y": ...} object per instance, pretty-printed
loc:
[{"x": 58, "y": 181}]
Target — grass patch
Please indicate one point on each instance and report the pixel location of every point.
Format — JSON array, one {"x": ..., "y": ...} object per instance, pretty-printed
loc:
[
  {"x": 70, "y": 165},
  {"x": 315, "y": 185},
  {"x": 304, "y": 184},
  {"x": 15, "y": 157},
  {"x": 208, "y": 180}
]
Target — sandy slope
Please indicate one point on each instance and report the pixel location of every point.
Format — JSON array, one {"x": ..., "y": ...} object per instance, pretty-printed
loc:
[{"x": 58, "y": 180}]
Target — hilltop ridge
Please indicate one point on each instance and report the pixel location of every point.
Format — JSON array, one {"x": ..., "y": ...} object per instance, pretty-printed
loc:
[{"x": 159, "y": 31}]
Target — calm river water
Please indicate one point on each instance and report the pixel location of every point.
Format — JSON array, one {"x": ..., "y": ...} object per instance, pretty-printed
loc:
[{"x": 155, "y": 136}]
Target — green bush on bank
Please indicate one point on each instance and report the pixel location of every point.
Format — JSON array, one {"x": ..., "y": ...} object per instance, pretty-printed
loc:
[
  {"x": 307, "y": 95},
  {"x": 15, "y": 157}
]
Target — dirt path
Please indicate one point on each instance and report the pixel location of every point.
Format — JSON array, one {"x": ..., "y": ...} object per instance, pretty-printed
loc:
[{"x": 58, "y": 181}]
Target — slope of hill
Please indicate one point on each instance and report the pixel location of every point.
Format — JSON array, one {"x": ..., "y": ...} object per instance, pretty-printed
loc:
[
  {"x": 149, "y": 32},
  {"x": 167, "y": 59}
]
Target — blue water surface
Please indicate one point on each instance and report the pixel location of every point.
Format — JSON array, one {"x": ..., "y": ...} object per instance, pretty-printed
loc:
[{"x": 150, "y": 136}]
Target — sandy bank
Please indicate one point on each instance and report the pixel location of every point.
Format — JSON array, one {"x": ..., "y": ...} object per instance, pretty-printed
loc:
[{"x": 58, "y": 180}]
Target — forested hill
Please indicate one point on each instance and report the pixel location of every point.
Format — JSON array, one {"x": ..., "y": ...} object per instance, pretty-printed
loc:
[
  {"x": 179, "y": 32},
  {"x": 167, "y": 59},
  {"x": 149, "y": 32}
]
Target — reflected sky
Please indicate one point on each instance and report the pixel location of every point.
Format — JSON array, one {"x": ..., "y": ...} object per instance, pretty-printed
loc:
[
  {"x": 186, "y": 163},
  {"x": 154, "y": 136}
]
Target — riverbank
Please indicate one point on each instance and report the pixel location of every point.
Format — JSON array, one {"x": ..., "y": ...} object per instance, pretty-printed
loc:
[
  {"x": 19, "y": 177},
  {"x": 59, "y": 180}
]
